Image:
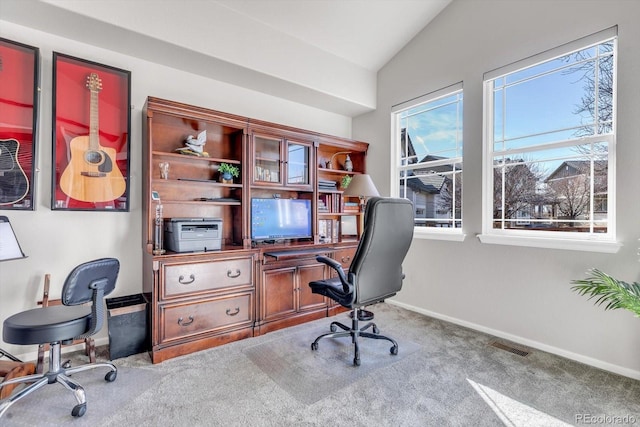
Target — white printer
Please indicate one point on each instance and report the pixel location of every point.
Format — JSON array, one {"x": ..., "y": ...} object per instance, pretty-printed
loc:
[{"x": 193, "y": 234}]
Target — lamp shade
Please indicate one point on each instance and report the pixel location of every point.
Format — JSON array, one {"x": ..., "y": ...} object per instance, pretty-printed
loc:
[{"x": 362, "y": 186}]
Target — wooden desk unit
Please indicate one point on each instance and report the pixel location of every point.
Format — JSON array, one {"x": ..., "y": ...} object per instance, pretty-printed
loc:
[{"x": 203, "y": 299}]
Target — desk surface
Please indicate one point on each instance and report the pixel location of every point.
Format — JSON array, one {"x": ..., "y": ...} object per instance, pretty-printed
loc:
[{"x": 298, "y": 253}]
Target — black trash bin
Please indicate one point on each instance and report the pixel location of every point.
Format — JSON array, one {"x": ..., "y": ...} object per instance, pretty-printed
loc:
[{"x": 127, "y": 320}]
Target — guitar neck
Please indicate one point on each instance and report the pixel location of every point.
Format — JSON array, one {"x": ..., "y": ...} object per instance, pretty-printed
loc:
[{"x": 94, "y": 140}]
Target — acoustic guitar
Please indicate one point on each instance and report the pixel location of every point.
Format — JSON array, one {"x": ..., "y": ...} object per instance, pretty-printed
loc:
[
  {"x": 14, "y": 184},
  {"x": 92, "y": 174}
]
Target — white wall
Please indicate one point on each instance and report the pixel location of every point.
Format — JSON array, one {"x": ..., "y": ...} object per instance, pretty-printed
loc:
[
  {"x": 56, "y": 241},
  {"x": 514, "y": 292}
]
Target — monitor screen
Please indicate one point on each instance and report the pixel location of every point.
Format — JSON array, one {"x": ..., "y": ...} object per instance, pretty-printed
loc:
[{"x": 273, "y": 219}]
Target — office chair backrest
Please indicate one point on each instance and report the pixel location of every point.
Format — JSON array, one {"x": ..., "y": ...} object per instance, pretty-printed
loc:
[
  {"x": 377, "y": 264},
  {"x": 91, "y": 282}
]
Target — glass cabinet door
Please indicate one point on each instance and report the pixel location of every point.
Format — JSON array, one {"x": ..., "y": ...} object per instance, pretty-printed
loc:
[
  {"x": 297, "y": 164},
  {"x": 267, "y": 159}
]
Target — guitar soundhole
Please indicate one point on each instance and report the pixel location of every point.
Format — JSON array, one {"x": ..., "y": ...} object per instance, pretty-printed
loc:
[{"x": 93, "y": 157}]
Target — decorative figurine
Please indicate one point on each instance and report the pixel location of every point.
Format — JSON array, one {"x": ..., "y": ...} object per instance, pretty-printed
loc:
[
  {"x": 348, "y": 165},
  {"x": 195, "y": 146}
]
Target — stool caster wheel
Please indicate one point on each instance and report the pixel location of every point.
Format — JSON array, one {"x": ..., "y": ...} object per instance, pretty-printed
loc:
[
  {"x": 314, "y": 346},
  {"x": 376, "y": 330},
  {"x": 111, "y": 376},
  {"x": 333, "y": 328},
  {"x": 79, "y": 410},
  {"x": 394, "y": 350},
  {"x": 356, "y": 361}
]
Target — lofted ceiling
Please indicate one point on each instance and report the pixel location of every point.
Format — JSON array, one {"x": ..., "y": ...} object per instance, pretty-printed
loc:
[{"x": 323, "y": 53}]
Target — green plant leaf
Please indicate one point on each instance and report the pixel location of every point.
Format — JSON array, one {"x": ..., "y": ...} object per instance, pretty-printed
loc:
[
  {"x": 608, "y": 291},
  {"x": 226, "y": 167}
]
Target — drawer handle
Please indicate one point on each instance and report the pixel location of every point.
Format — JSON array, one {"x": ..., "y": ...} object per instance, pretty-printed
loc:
[
  {"x": 229, "y": 313},
  {"x": 345, "y": 259},
  {"x": 191, "y": 277},
  {"x": 181, "y": 323},
  {"x": 232, "y": 275}
]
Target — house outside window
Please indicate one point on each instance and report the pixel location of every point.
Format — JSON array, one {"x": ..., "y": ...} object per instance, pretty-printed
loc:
[
  {"x": 549, "y": 144},
  {"x": 427, "y": 159}
]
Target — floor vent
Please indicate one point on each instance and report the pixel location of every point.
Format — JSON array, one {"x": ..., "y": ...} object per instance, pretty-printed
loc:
[{"x": 509, "y": 348}]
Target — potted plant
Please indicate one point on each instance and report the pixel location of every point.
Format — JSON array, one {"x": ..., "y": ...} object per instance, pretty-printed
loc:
[
  {"x": 345, "y": 181},
  {"x": 606, "y": 289},
  {"x": 228, "y": 172}
]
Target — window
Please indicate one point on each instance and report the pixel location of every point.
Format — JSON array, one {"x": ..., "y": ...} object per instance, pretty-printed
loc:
[
  {"x": 427, "y": 159},
  {"x": 550, "y": 143}
]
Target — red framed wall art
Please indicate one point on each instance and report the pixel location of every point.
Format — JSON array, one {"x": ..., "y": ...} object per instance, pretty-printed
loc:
[
  {"x": 91, "y": 128},
  {"x": 19, "y": 77}
]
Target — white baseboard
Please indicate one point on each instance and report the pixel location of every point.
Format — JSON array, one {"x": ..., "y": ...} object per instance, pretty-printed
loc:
[{"x": 524, "y": 341}]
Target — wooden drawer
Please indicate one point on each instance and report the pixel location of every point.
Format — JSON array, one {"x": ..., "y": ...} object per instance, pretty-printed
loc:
[
  {"x": 344, "y": 256},
  {"x": 183, "y": 320},
  {"x": 186, "y": 278}
]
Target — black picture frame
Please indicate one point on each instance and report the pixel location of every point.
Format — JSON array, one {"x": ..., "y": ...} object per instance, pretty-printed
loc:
[
  {"x": 19, "y": 100},
  {"x": 91, "y": 135}
]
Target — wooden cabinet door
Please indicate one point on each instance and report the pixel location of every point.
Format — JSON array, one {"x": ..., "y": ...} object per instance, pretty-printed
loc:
[
  {"x": 298, "y": 162},
  {"x": 267, "y": 160},
  {"x": 306, "y": 298},
  {"x": 278, "y": 292}
]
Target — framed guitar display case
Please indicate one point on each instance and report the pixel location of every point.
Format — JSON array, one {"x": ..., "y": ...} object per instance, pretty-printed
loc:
[
  {"x": 19, "y": 77},
  {"x": 91, "y": 128}
]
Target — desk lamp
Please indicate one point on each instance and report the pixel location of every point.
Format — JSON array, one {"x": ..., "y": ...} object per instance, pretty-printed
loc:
[
  {"x": 9, "y": 250},
  {"x": 361, "y": 186}
]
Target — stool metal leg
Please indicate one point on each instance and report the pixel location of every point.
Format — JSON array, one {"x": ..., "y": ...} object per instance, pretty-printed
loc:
[{"x": 6, "y": 403}]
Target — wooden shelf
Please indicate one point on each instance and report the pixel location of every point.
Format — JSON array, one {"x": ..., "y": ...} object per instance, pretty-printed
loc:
[
  {"x": 202, "y": 202},
  {"x": 202, "y": 182},
  {"x": 337, "y": 171},
  {"x": 330, "y": 214},
  {"x": 184, "y": 157}
]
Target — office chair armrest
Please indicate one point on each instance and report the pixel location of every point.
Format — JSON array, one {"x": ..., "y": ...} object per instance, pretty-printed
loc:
[{"x": 337, "y": 267}]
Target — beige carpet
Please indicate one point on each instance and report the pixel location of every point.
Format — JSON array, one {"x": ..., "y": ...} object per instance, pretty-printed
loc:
[
  {"x": 453, "y": 378},
  {"x": 52, "y": 404},
  {"x": 310, "y": 376}
]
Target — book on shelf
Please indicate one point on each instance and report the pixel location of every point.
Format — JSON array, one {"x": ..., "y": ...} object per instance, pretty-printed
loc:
[
  {"x": 351, "y": 206},
  {"x": 327, "y": 185},
  {"x": 335, "y": 230},
  {"x": 324, "y": 226},
  {"x": 324, "y": 203},
  {"x": 339, "y": 203}
]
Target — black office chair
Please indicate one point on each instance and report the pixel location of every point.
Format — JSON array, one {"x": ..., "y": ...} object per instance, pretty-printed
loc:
[
  {"x": 375, "y": 272},
  {"x": 57, "y": 325}
]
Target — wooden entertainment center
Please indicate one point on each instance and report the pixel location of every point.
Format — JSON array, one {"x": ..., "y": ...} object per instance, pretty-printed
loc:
[{"x": 250, "y": 286}]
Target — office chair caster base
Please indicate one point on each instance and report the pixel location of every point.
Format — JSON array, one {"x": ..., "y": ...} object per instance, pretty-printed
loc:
[
  {"x": 363, "y": 315},
  {"x": 111, "y": 376},
  {"x": 79, "y": 410}
]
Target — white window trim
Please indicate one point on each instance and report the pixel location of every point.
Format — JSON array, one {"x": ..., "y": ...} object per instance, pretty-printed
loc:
[
  {"x": 532, "y": 238},
  {"x": 430, "y": 233},
  {"x": 585, "y": 245}
]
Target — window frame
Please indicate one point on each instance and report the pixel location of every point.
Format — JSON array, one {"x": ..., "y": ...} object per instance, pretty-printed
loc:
[
  {"x": 597, "y": 242},
  {"x": 434, "y": 233}
]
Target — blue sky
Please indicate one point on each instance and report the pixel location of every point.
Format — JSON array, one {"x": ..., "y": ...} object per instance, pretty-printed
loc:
[{"x": 541, "y": 104}]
